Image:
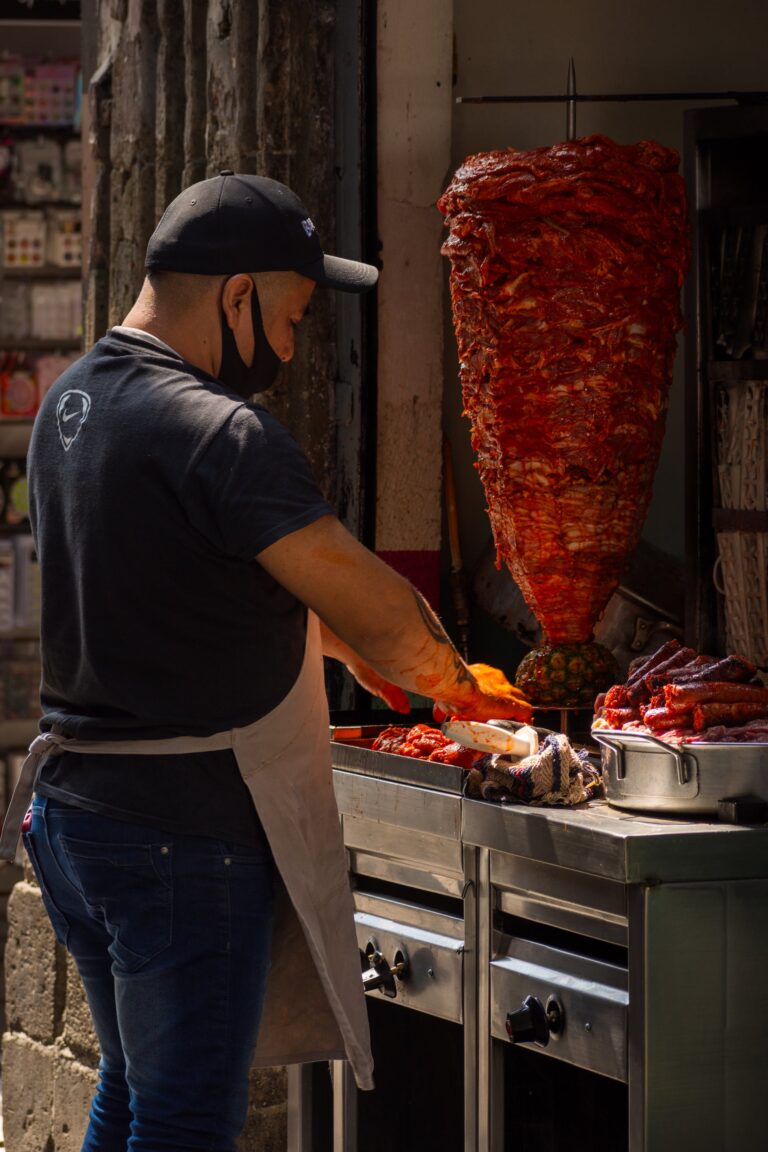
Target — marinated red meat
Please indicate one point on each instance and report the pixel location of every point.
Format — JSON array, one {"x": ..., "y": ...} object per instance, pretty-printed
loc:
[
  {"x": 756, "y": 732},
  {"x": 424, "y": 743},
  {"x": 616, "y": 697},
  {"x": 693, "y": 670},
  {"x": 617, "y": 717},
  {"x": 391, "y": 739},
  {"x": 683, "y": 697},
  {"x": 703, "y": 698},
  {"x": 567, "y": 264},
  {"x": 708, "y": 715},
  {"x": 732, "y": 668},
  {"x": 644, "y": 665},
  {"x": 661, "y": 719}
]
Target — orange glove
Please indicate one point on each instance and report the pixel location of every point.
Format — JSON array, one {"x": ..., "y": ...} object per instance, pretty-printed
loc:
[{"x": 494, "y": 699}]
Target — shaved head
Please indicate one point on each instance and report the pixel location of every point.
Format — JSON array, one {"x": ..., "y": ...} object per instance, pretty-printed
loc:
[
  {"x": 186, "y": 292},
  {"x": 183, "y": 290},
  {"x": 186, "y": 311}
]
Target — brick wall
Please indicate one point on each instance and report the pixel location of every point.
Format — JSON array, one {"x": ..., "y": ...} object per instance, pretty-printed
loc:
[
  {"x": 50, "y": 1054},
  {"x": 9, "y": 874}
]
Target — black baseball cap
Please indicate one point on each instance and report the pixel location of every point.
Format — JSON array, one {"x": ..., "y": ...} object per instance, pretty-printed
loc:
[{"x": 239, "y": 223}]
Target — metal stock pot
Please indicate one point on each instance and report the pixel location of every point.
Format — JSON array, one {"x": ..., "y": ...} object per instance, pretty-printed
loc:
[{"x": 641, "y": 773}]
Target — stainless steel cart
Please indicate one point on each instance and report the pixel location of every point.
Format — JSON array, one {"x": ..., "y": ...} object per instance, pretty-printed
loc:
[{"x": 597, "y": 955}]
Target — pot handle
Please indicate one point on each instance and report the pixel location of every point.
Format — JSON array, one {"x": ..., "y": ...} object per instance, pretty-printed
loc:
[{"x": 621, "y": 741}]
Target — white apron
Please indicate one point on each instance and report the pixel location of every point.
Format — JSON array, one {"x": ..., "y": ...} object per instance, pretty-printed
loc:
[{"x": 314, "y": 1007}]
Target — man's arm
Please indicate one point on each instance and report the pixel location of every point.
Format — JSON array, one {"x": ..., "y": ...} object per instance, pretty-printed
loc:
[
  {"x": 394, "y": 697},
  {"x": 377, "y": 614}
]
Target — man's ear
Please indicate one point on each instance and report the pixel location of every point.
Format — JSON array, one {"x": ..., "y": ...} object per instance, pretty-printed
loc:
[{"x": 236, "y": 297}]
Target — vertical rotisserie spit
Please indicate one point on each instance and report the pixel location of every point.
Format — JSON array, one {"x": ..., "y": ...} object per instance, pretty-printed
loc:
[{"x": 566, "y": 269}]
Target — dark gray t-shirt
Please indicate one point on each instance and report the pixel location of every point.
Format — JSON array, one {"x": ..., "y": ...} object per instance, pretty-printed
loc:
[{"x": 152, "y": 489}]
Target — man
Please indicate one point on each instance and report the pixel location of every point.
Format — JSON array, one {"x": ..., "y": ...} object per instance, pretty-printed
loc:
[{"x": 191, "y": 574}]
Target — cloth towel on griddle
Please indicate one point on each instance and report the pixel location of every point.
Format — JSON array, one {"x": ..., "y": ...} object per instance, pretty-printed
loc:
[{"x": 555, "y": 775}]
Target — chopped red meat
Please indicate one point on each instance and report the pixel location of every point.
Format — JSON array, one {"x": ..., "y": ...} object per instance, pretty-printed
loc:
[
  {"x": 424, "y": 743},
  {"x": 616, "y": 697}
]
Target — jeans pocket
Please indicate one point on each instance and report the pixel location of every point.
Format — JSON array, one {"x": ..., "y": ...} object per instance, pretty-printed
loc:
[
  {"x": 55, "y": 915},
  {"x": 129, "y": 889},
  {"x": 247, "y": 853}
]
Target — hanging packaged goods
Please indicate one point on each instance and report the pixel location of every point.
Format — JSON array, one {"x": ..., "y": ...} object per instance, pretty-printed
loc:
[{"x": 566, "y": 269}]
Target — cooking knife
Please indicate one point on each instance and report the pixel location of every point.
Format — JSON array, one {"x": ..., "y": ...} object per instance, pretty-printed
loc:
[{"x": 524, "y": 741}]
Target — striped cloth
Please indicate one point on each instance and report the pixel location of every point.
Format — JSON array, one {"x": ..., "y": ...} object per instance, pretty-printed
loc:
[{"x": 556, "y": 775}]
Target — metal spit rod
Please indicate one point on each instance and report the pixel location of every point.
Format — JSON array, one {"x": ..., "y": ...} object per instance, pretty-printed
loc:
[
  {"x": 570, "y": 108},
  {"x": 741, "y": 97}
]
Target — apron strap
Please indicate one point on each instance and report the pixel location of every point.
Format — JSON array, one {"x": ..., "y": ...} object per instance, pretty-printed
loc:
[
  {"x": 39, "y": 751},
  {"x": 50, "y": 743}
]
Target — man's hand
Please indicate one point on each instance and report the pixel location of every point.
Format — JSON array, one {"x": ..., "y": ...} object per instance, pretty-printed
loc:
[{"x": 495, "y": 699}]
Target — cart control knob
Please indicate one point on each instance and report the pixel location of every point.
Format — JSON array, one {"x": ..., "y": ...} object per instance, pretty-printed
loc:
[
  {"x": 532, "y": 1024},
  {"x": 379, "y": 974},
  {"x": 555, "y": 1015}
]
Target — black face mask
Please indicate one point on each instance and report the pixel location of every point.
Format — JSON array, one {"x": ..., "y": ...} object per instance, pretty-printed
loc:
[{"x": 234, "y": 373}]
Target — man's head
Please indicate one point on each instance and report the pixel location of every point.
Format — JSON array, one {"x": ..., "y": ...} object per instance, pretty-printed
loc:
[
  {"x": 241, "y": 327},
  {"x": 246, "y": 246},
  {"x": 237, "y": 223}
]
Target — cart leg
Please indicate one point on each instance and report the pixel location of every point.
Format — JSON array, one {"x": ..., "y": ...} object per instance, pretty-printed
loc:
[
  {"x": 490, "y": 1054},
  {"x": 470, "y": 999},
  {"x": 344, "y": 1108},
  {"x": 300, "y": 1108}
]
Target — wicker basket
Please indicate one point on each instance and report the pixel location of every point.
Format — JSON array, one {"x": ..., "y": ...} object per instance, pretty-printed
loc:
[{"x": 742, "y": 535}]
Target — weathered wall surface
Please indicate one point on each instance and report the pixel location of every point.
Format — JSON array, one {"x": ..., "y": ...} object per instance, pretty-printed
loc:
[
  {"x": 414, "y": 105},
  {"x": 178, "y": 90},
  {"x": 253, "y": 91}
]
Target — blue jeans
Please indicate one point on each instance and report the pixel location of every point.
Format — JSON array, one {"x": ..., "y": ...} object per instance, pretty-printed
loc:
[{"x": 171, "y": 935}]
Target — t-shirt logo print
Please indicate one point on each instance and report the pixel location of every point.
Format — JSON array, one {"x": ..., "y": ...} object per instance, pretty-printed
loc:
[{"x": 71, "y": 413}]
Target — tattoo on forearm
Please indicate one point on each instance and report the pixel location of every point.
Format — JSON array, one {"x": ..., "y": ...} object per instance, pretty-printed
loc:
[
  {"x": 463, "y": 674},
  {"x": 431, "y": 622},
  {"x": 439, "y": 635}
]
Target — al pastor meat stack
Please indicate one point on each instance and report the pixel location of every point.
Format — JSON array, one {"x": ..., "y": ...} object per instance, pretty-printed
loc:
[{"x": 567, "y": 264}]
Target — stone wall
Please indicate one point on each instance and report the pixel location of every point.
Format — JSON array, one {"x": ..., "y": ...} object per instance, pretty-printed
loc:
[
  {"x": 252, "y": 89},
  {"x": 50, "y": 1054},
  {"x": 9, "y": 875}
]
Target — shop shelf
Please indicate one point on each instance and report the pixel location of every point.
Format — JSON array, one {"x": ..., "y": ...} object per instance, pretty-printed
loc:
[{"x": 46, "y": 272}]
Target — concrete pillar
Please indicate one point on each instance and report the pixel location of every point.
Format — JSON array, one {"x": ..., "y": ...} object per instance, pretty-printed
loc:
[{"x": 414, "y": 99}]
